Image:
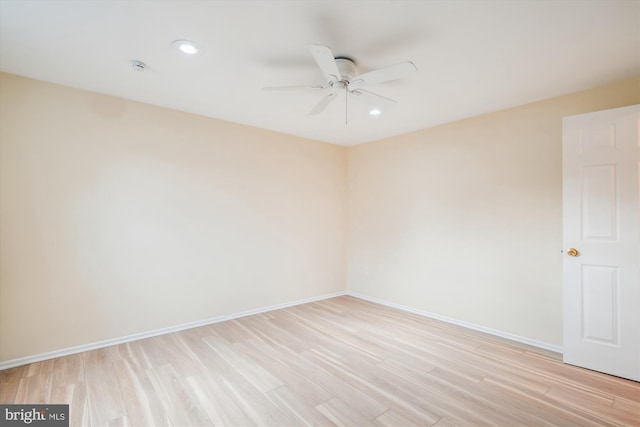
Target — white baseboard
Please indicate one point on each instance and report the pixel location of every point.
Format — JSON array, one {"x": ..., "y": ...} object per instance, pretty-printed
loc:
[
  {"x": 153, "y": 333},
  {"x": 148, "y": 334},
  {"x": 498, "y": 333}
]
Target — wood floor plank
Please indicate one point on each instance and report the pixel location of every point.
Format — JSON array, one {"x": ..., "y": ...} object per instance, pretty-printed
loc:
[
  {"x": 392, "y": 419},
  {"x": 35, "y": 389},
  {"x": 216, "y": 402},
  {"x": 119, "y": 422},
  {"x": 253, "y": 372},
  {"x": 256, "y": 405},
  {"x": 40, "y": 368},
  {"x": 142, "y": 402},
  {"x": 211, "y": 362},
  {"x": 597, "y": 403},
  {"x": 68, "y": 370},
  {"x": 103, "y": 390},
  {"x": 561, "y": 414},
  {"x": 74, "y": 395},
  {"x": 279, "y": 362},
  {"x": 366, "y": 377},
  {"x": 232, "y": 331},
  {"x": 490, "y": 403},
  {"x": 304, "y": 413},
  {"x": 342, "y": 415},
  {"x": 9, "y": 383},
  {"x": 345, "y": 387},
  {"x": 178, "y": 354},
  {"x": 176, "y": 400},
  {"x": 337, "y": 362},
  {"x": 148, "y": 352},
  {"x": 626, "y": 410},
  {"x": 270, "y": 331}
]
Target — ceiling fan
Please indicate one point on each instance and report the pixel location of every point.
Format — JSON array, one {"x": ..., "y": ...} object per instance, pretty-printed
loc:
[{"x": 340, "y": 75}]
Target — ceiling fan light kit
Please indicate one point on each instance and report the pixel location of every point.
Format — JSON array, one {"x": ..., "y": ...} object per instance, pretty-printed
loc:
[{"x": 340, "y": 74}]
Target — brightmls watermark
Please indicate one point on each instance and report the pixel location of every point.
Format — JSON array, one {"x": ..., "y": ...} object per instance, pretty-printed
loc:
[{"x": 34, "y": 415}]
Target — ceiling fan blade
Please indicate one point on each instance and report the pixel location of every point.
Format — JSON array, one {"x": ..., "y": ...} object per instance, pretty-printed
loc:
[
  {"x": 387, "y": 74},
  {"x": 373, "y": 100},
  {"x": 278, "y": 88},
  {"x": 320, "y": 106},
  {"x": 326, "y": 61}
]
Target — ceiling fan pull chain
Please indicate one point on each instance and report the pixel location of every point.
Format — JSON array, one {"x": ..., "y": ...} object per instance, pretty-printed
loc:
[{"x": 346, "y": 106}]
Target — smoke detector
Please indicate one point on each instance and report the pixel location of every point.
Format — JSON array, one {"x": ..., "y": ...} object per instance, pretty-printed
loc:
[{"x": 138, "y": 65}]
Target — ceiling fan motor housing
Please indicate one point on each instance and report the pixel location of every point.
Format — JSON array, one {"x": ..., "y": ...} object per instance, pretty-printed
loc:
[{"x": 347, "y": 68}]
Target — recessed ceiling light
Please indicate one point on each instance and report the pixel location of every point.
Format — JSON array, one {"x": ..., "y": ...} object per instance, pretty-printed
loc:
[
  {"x": 185, "y": 46},
  {"x": 375, "y": 112}
]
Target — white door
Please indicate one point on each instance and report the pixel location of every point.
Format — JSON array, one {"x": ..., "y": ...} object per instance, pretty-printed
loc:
[{"x": 601, "y": 221}]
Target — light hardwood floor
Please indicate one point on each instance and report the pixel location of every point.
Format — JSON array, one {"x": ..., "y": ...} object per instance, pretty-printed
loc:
[{"x": 341, "y": 361}]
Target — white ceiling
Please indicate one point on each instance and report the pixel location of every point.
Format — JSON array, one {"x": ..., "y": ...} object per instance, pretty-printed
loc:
[{"x": 473, "y": 57}]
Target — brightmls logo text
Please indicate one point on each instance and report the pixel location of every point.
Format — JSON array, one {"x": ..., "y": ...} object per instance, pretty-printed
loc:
[
  {"x": 28, "y": 416},
  {"x": 34, "y": 415}
]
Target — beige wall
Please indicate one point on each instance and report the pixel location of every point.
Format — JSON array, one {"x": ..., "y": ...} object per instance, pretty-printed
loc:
[
  {"x": 119, "y": 217},
  {"x": 465, "y": 220}
]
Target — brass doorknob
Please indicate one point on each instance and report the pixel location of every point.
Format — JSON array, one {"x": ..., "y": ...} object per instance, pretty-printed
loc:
[{"x": 573, "y": 252}]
